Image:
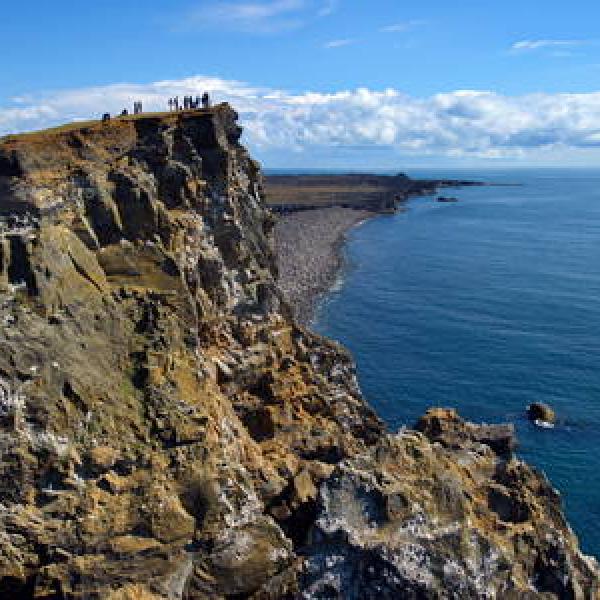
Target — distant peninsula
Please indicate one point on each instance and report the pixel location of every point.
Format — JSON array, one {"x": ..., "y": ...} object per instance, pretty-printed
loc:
[{"x": 361, "y": 191}]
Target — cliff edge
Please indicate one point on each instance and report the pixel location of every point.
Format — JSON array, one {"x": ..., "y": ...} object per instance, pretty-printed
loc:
[{"x": 168, "y": 431}]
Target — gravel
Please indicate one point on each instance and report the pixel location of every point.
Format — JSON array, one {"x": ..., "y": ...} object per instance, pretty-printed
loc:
[{"x": 309, "y": 254}]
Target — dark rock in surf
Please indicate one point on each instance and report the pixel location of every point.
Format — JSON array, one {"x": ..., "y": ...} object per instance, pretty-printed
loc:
[{"x": 538, "y": 411}]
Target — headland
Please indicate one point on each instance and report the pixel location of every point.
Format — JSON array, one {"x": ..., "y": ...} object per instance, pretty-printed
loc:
[{"x": 170, "y": 432}]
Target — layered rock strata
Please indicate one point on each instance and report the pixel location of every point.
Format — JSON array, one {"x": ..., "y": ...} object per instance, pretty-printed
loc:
[{"x": 168, "y": 432}]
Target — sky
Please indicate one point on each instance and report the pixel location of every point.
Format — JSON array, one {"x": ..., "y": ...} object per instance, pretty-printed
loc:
[{"x": 325, "y": 83}]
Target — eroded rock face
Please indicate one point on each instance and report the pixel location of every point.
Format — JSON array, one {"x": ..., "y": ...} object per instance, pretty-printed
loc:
[
  {"x": 442, "y": 514},
  {"x": 167, "y": 431}
]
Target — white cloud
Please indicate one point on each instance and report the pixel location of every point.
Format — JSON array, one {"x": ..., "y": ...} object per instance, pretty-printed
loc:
[
  {"x": 463, "y": 123},
  {"x": 403, "y": 26},
  {"x": 339, "y": 43},
  {"x": 251, "y": 17},
  {"x": 256, "y": 16},
  {"x": 528, "y": 45}
]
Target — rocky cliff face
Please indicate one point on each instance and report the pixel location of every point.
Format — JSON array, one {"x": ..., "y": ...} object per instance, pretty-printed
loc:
[{"x": 167, "y": 431}]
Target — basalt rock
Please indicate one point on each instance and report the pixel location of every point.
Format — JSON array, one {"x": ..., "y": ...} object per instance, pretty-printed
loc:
[
  {"x": 538, "y": 411},
  {"x": 446, "y": 427},
  {"x": 168, "y": 432}
]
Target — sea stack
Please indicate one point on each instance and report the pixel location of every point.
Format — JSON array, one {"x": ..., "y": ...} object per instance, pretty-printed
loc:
[
  {"x": 171, "y": 433},
  {"x": 538, "y": 411}
]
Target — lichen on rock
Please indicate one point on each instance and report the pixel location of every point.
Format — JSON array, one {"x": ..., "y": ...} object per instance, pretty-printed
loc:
[{"x": 167, "y": 429}]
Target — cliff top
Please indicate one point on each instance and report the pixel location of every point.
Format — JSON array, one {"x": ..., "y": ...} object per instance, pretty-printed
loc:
[
  {"x": 37, "y": 168},
  {"x": 116, "y": 123}
]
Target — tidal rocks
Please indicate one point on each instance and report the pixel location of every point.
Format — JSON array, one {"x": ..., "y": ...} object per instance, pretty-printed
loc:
[
  {"x": 446, "y": 427},
  {"x": 168, "y": 431},
  {"x": 450, "y": 519},
  {"x": 446, "y": 199},
  {"x": 538, "y": 411}
]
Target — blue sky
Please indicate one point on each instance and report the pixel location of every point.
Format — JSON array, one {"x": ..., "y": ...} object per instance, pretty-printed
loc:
[{"x": 313, "y": 68}]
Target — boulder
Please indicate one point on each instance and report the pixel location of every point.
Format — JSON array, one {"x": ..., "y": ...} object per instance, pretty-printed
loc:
[
  {"x": 538, "y": 411},
  {"x": 446, "y": 427}
]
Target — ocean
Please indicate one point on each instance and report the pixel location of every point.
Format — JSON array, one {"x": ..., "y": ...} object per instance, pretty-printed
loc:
[{"x": 487, "y": 305}]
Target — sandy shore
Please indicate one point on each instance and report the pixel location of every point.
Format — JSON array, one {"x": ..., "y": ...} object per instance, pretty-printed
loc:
[{"x": 309, "y": 249}]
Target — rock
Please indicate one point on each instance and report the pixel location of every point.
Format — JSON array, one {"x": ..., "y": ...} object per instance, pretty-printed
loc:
[
  {"x": 169, "y": 521},
  {"x": 133, "y": 592},
  {"x": 408, "y": 520},
  {"x": 538, "y": 411},
  {"x": 445, "y": 426},
  {"x": 130, "y": 544},
  {"x": 101, "y": 458},
  {"x": 195, "y": 442},
  {"x": 304, "y": 488},
  {"x": 446, "y": 199}
]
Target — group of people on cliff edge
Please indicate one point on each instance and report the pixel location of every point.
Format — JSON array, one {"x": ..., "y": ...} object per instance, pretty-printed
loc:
[{"x": 189, "y": 102}]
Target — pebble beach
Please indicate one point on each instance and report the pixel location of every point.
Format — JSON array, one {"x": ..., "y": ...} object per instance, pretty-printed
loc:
[{"x": 309, "y": 250}]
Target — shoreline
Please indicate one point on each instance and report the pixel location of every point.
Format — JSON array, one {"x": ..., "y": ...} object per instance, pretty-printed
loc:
[
  {"x": 314, "y": 215},
  {"x": 318, "y": 237}
]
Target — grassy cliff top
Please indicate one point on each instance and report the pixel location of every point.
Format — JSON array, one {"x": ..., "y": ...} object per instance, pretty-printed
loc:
[{"x": 97, "y": 125}]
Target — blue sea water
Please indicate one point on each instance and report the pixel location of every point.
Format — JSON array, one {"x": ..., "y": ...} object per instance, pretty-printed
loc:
[{"x": 487, "y": 305}]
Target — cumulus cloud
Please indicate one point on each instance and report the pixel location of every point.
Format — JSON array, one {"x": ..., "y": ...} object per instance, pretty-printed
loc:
[{"x": 463, "y": 123}]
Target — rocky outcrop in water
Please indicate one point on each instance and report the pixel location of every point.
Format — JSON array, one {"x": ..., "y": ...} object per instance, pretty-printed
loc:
[
  {"x": 168, "y": 431},
  {"x": 538, "y": 411}
]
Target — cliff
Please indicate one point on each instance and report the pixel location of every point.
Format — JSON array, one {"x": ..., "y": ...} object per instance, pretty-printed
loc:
[{"x": 168, "y": 431}]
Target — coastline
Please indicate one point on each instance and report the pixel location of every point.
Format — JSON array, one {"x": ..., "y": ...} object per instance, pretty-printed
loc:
[
  {"x": 314, "y": 214},
  {"x": 166, "y": 422},
  {"x": 318, "y": 236}
]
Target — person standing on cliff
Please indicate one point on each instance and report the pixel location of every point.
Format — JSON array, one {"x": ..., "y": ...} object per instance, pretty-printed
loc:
[{"x": 205, "y": 100}]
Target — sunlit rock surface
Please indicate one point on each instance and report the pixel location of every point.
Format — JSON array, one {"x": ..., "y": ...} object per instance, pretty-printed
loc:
[{"x": 168, "y": 431}]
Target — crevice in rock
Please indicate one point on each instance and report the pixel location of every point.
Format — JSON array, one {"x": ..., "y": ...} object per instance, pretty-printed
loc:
[
  {"x": 9, "y": 165},
  {"x": 19, "y": 267},
  {"x": 13, "y": 588},
  {"x": 70, "y": 394}
]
